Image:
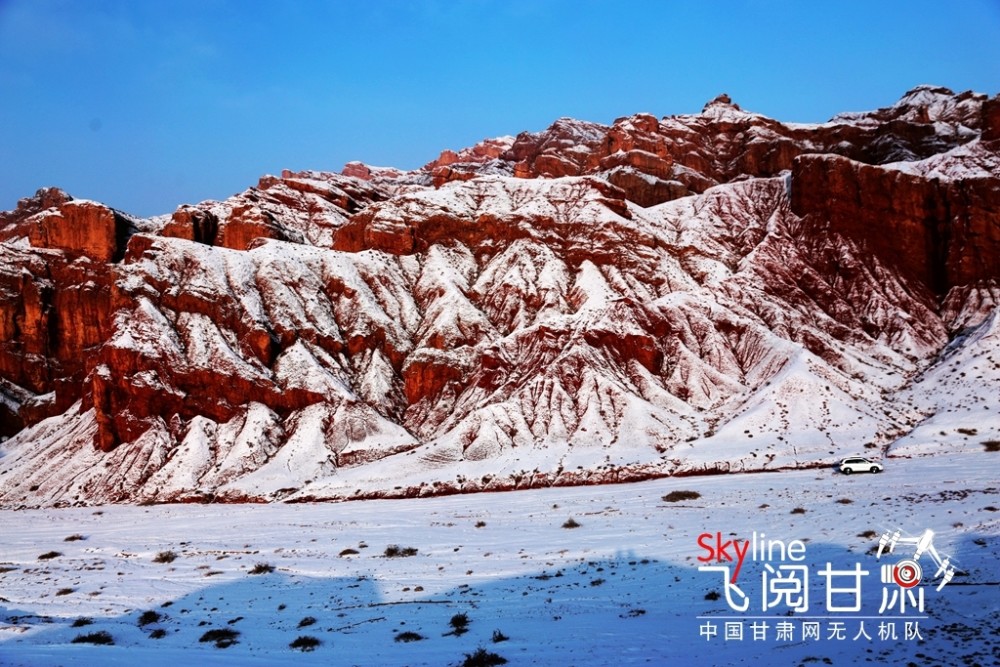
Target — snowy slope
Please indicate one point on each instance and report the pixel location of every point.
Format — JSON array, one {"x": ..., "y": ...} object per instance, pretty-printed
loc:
[
  {"x": 518, "y": 314},
  {"x": 518, "y": 361}
]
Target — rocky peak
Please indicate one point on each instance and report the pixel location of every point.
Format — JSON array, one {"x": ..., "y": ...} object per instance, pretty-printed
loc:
[
  {"x": 366, "y": 172},
  {"x": 925, "y": 105},
  {"x": 468, "y": 163},
  {"x": 43, "y": 199},
  {"x": 357, "y": 169},
  {"x": 924, "y": 95},
  {"x": 568, "y": 147},
  {"x": 80, "y": 227},
  {"x": 722, "y": 100},
  {"x": 484, "y": 151}
]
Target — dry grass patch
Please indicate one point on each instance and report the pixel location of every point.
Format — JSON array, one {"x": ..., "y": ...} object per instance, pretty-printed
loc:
[
  {"x": 101, "y": 638},
  {"x": 678, "y": 496},
  {"x": 221, "y": 637},
  {"x": 305, "y": 643},
  {"x": 262, "y": 568}
]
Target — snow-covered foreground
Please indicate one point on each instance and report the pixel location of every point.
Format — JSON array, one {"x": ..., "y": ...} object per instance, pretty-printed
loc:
[{"x": 622, "y": 588}]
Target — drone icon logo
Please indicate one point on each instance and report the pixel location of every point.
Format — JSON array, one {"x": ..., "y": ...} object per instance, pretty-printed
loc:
[{"x": 907, "y": 572}]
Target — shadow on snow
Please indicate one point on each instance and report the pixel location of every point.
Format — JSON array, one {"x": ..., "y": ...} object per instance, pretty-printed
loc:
[{"x": 620, "y": 610}]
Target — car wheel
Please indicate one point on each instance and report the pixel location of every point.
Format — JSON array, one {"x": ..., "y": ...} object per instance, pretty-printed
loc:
[
  {"x": 875, "y": 469},
  {"x": 847, "y": 471}
]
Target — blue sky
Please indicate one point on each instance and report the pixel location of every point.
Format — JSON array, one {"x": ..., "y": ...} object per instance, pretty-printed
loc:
[{"x": 147, "y": 105}]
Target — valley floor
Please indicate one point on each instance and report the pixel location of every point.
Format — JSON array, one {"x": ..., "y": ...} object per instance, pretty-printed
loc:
[{"x": 622, "y": 588}]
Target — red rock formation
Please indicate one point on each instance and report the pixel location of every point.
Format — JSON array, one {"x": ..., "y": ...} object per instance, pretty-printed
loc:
[
  {"x": 635, "y": 287},
  {"x": 943, "y": 234},
  {"x": 42, "y": 200},
  {"x": 991, "y": 119},
  {"x": 192, "y": 224},
  {"x": 484, "y": 151},
  {"x": 427, "y": 375},
  {"x": 724, "y": 142},
  {"x": 79, "y": 227},
  {"x": 246, "y": 224},
  {"x": 55, "y": 306},
  {"x": 567, "y": 148},
  {"x": 721, "y": 143}
]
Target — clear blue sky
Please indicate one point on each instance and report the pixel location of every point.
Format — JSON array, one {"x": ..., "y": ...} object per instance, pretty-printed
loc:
[{"x": 147, "y": 105}]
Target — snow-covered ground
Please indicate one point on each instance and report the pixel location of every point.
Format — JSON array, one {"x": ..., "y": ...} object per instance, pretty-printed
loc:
[{"x": 622, "y": 588}]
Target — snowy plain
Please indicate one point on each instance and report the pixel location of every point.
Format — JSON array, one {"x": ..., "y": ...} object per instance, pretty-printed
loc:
[{"x": 622, "y": 588}]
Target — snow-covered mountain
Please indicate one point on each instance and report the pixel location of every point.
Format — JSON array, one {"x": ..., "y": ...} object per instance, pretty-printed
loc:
[{"x": 585, "y": 304}]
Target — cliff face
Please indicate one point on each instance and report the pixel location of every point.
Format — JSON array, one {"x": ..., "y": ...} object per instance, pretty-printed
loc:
[
  {"x": 55, "y": 306},
  {"x": 941, "y": 230},
  {"x": 584, "y": 304}
]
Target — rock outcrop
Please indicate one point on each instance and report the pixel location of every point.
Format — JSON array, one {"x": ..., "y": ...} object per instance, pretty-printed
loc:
[
  {"x": 941, "y": 231},
  {"x": 654, "y": 161},
  {"x": 55, "y": 304}
]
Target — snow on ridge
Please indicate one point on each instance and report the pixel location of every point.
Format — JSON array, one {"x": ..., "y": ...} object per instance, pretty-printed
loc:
[
  {"x": 968, "y": 161},
  {"x": 558, "y": 403}
]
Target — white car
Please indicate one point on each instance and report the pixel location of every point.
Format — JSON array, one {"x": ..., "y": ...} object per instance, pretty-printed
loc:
[{"x": 859, "y": 464}]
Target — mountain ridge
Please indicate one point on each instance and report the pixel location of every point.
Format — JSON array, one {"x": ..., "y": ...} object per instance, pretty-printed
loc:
[{"x": 586, "y": 304}]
